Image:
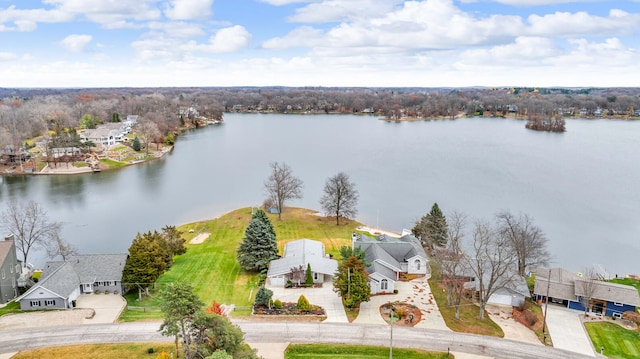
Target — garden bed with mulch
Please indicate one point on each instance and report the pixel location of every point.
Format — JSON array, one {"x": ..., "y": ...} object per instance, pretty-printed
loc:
[
  {"x": 406, "y": 315},
  {"x": 288, "y": 309}
]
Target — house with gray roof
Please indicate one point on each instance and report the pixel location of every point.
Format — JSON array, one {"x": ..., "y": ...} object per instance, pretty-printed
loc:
[
  {"x": 9, "y": 270},
  {"x": 300, "y": 253},
  {"x": 389, "y": 258},
  {"x": 569, "y": 289},
  {"x": 61, "y": 283}
]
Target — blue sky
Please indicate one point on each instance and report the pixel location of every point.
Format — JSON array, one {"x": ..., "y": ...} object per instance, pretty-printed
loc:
[{"x": 430, "y": 43}]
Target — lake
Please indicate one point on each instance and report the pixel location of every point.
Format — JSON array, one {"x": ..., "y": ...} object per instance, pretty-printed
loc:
[{"x": 581, "y": 187}]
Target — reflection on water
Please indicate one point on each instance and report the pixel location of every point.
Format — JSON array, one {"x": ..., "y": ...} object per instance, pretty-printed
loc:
[{"x": 580, "y": 187}]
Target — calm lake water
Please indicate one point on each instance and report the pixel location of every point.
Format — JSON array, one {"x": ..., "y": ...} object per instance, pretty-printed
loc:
[{"x": 581, "y": 187}]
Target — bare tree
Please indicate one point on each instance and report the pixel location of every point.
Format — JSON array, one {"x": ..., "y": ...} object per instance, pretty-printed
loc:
[
  {"x": 29, "y": 225},
  {"x": 451, "y": 260},
  {"x": 527, "y": 240},
  {"x": 587, "y": 286},
  {"x": 147, "y": 132},
  {"x": 282, "y": 185},
  {"x": 340, "y": 197},
  {"x": 491, "y": 261},
  {"x": 57, "y": 246}
]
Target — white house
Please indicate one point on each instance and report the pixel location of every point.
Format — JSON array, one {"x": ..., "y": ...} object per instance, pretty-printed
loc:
[
  {"x": 301, "y": 253},
  {"x": 390, "y": 258}
]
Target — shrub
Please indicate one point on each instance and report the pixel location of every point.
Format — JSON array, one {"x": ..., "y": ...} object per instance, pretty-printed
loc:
[
  {"x": 524, "y": 305},
  {"x": 395, "y": 291},
  {"x": 530, "y": 318},
  {"x": 277, "y": 304},
  {"x": 309, "y": 279},
  {"x": 401, "y": 312},
  {"x": 96, "y": 292},
  {"x": 106, "y": 291},
  {"x": 150, "y": 350},
  {"x": 163, "y": 355},
  {"x": 303, "y": 304},
  {"x": 289, "y": 284},
  {"x": 115, "y": 292},
  {"x": 263, "y": 296}
]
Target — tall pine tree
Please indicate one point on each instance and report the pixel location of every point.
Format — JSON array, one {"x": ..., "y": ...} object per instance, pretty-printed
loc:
[
  {"x": 258, "y": 246},
  {"x": 432, "y": 228},
  {"x": 148, "y": 259},
  {"x": 262, "y": 216}
]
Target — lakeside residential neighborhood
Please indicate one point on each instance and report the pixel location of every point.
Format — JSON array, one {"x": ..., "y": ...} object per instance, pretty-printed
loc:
[{"x": 400, "y": 272}]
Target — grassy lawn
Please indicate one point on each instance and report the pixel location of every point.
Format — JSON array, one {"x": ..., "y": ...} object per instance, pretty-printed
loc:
[
  {"x": 11, "y": 307},
  {"x": 337, "y": 351},
  {"x": 98, "y": 351},
  {"x": 211, "y": 267},
  {"x": 112, "y": 163},
  {"x": 617, "y": 341},
  {"x": 469, "y": 320}
]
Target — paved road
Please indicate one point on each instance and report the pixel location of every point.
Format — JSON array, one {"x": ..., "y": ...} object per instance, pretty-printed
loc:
[{"x": 278, "y": 332}]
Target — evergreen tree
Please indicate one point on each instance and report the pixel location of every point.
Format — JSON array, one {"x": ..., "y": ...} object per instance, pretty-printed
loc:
[
  {"x": 115, "y": 117},
  {"x": 174, "y": 239},
  {"x": 258, "y": 247},
  {"x": 303, "y": 303},
  {"x": 352, "y": 282},
  {"x": 263, "y": 297},
  {"x": 262, "y": 216},
  {"x": 309, "y": 279},
  {"x": 432, "y": 228},
  {"x": 136, "y": 144},
  {"x": 146, "y": 262}
]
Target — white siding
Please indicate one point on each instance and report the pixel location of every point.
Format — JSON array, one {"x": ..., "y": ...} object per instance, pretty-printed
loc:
[{"x": 277, "y": 281}]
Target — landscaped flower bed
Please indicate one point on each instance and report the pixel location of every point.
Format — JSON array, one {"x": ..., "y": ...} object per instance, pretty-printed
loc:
[{"x": 287, "y": 309}]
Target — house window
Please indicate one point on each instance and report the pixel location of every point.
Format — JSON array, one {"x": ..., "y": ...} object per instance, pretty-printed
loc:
[
  {"x": 2, "y": 273},
  {"x": 418, "y": 264},
  {"x": 617, "y": 315},
  {"x": 315, "y": 276},
  {"x": 617, "y": 304},
  {"x": 11, "y": 270},
  {"x": 49, "y": 302},
  {"x": 384, "y": 284},
  {"x": 35, "y": 303}
]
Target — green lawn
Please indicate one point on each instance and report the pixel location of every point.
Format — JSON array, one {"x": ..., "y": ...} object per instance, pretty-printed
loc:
[
  {"x": 617, "y": 341},
  {"x": 469, "y": 319},
  {"x": 11, "y": 307},
  {"x": 211, "y": 267},
  {"x": 98, "y": 351},
  {"x": 337, "y": 351}
]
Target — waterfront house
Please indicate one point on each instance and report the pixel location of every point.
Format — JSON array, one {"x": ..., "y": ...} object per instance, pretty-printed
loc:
[
  {"x": 390, "y": 258},
  {"x": 61, "y": 283},
  {"x": 301, "y": 253},
  {"x": 569, "y": 289},
  {"x": 9, "y": 270}
]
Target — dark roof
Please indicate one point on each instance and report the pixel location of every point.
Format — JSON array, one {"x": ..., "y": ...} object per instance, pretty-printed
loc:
[{"x": 390, "y": 250}]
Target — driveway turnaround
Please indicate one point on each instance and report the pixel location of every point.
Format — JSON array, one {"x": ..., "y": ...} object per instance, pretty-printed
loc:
[
  {"x": 324, "y": 297},
  {"x": 567, "y": 331},
  {"x": 107, "y": 307}
]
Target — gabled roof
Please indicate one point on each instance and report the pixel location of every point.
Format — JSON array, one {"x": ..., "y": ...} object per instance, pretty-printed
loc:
[
  {"x": 389, "y": 252},
  {"x": 611, "y": 292},
  {"x": 567, "y": 285},
  {"x": 62, "y": 281},
  {"x": 5, "y": 248},
  {"x": 300, "y": 253},
  {"x": 62, "y": 278}
]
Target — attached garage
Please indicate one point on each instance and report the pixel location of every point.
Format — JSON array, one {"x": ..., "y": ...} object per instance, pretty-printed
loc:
[
  {"x": 277, "y": 281},
  {"x": 506, "y": 297}
]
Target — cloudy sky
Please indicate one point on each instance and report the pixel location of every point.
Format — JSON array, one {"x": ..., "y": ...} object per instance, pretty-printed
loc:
[{"x": 106, "y": 43}]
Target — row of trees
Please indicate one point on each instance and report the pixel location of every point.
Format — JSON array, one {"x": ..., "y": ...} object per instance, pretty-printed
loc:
[
  {"x": 499, "y": 252},
  {"x": 339, "y": 199},
  {"x": 150, "y": 255}
]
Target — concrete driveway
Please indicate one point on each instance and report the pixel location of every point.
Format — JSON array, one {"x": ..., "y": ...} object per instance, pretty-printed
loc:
[
  {"x": 107, "y": 307},
  {"x": 416, "y": 292},
  {"x": 324, "y": 297},
  {"x": 567, "y": 331},
  {"x": 513, "y": 330}
]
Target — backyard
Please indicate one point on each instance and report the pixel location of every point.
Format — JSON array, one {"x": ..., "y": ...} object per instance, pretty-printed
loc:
[{"x": 211, "y": 267}]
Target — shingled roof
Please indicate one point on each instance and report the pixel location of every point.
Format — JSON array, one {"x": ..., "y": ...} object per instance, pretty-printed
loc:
[{"x": 300, "y": 253}]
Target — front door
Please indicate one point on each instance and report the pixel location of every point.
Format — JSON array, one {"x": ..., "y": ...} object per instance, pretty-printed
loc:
[
  {"x": 598, "y": 306},
  {"x": 87, "y": 288}
]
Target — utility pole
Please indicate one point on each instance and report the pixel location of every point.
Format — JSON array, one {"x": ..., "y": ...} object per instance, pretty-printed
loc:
[
  {"x": 392, "y": 315},
  {"x": 546, "y": 304}
]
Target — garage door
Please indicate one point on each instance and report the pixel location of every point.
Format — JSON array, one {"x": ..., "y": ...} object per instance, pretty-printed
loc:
[
  {"x": 277, "y": 281},
  {"x": 502, "y": 299}
]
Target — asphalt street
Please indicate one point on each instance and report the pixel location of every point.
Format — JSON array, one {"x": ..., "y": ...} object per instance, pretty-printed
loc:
[{"x": 281, "y": 332}]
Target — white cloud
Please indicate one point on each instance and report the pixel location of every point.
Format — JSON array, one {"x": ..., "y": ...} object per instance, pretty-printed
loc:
[
  {"x": 26, "y": 20},
  {"x": 6, "y": 56},
  {"x": 188, "y": 9},
  {"x": 284, "y": 2},
  {"x": 229, "y": 39},
  {"x": 524, "y": 50},
  {"x": 533, "y": 2},
  {"x": 337, "y": 10},
  {"x": 178, "y": 29},
  {"x": 582, "y": 24},
  {"x": 76, "y": 43},
  {"x": 109, "y": 13}
]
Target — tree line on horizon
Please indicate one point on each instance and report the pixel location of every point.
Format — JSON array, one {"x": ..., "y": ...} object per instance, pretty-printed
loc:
[{"x": 30, "y": 113}]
